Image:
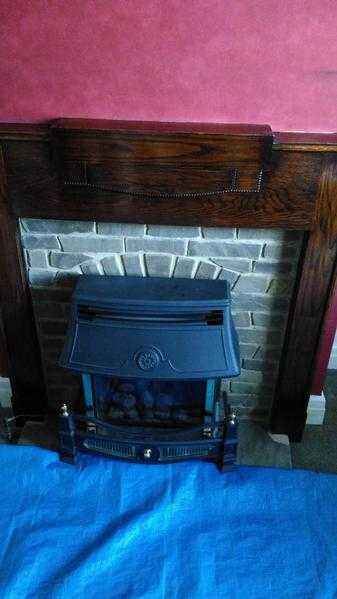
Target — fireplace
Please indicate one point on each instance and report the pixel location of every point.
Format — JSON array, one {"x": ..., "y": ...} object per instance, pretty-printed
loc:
[
  {"x": 172, "y": 174},
  {"x": 151, "y": 354}
]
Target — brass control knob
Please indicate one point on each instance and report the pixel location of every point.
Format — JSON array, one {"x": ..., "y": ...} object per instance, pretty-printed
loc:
[
  {"x": 64, "y": 410},
  {"x": 231, "y": 418}
]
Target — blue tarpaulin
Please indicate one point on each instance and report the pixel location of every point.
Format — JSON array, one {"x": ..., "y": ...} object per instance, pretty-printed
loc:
[{"x": 105, "y": 529}]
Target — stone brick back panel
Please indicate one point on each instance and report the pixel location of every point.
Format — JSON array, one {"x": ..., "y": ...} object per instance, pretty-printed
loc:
[{"x": 260, "y": 265}]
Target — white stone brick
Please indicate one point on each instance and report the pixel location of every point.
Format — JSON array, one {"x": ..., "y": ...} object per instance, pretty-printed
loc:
[
  {"x": 272, "y": 268},
  {"x": 270, "y": 354},
  {"x": 57, "y": 226},
  {"x": 173, "y": 231},
  {"x": 185, "y": 267},
  {"x": 37, "y": 259},
  {"x": 218, "y": 233},
  {"x": 259, "y": 365},
  {"x": 258, "y": 302},
  {"x": 280, "y": 251},
  {"x": 241, "y": 319},
  {"x": 269, "y": 319},
  {"x": 252, "y": 284},
  {"x": 158, "y": 265},
  {"x": 66, "y": 260},
  {"x": 39, "y": 242},
  {"x": 238, "y": 265},
  {"x": 207, "y": 270},
  {"x": 252, "y": 376},
  {"x": 281, "y": 286},
  {"x": 280, "y": 235},
  {"x": 132, "y": 265},
  {"x": 159, "y": 245},
  {"x": 215, "y": 249},
  {"x": 90, "y": 268},
  {"x": 248, "y": 350},
  {"x": 111, "y": 266},
  {"x": 88, "y": 243},
  {"x": 259, "y": 336},
  {"x": 228, "y": 275},
  {"x": 116, "y": 229}
]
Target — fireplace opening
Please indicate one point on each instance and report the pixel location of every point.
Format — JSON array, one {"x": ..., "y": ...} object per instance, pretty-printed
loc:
[{"x": 141, "y": 402}]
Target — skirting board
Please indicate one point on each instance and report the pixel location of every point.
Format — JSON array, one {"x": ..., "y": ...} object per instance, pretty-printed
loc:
[
  {"x": 333, "y": 361},
  {"x": 316, "y": 409}
]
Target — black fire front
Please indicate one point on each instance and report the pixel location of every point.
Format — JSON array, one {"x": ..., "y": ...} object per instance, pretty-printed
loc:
[{"x": 151, "y": 353}]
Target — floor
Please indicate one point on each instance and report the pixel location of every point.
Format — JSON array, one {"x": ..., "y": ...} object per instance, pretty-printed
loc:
[
  {"x": 317, "y": 451},
  {"x": 318, "y": 448}
]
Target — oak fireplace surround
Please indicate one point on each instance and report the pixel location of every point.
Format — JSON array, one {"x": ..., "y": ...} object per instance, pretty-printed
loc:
[{"x": 178, "y": 174}]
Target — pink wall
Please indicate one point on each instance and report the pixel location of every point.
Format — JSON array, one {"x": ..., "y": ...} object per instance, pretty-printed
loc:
[{"x": 262, "y": 61}]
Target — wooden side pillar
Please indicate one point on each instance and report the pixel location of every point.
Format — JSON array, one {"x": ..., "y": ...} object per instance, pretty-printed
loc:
[
  {"x": 22, "y": 347},
  {"x": 326, "y": 345},
  {"x": 4, "y": 366},
  {"x": 313, "y": 291}
]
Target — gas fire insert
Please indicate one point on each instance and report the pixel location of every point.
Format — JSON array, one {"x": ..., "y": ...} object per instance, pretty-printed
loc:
[{"x": 151, "y": 353}]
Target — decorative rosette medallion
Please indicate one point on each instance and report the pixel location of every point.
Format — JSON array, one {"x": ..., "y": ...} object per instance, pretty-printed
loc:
[{"x": 148, "y": 358}]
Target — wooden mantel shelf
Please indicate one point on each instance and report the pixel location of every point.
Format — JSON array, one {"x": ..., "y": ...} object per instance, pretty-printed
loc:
[{"x": 172, "y": 173}]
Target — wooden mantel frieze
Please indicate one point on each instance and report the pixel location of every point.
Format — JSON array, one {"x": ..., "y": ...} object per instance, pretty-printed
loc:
[{"x": 171, "y": 173}]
